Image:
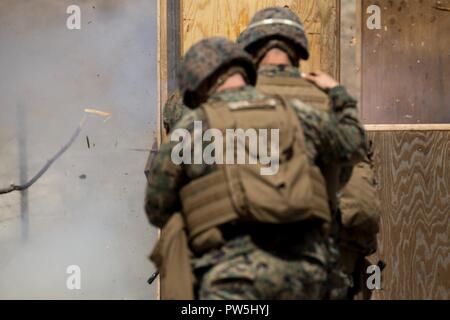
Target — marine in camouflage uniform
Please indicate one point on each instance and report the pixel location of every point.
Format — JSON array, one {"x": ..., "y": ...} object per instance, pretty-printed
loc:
[
  {"x": 280, "y": 28},
  {"x": 249, "y": 265}
]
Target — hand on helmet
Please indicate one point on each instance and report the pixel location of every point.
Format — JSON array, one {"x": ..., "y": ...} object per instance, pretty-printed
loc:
[{"x": 321, "y": 80}]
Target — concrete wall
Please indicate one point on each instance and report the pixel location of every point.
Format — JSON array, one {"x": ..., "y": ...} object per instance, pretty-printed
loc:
[{"x": 87, "y": 210}]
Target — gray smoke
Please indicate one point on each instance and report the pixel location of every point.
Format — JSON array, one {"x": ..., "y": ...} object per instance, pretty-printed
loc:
[{"x": 87, "y": 210}]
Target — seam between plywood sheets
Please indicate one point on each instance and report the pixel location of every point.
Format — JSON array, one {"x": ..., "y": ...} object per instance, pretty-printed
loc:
[{"x": 407, "y": 127}]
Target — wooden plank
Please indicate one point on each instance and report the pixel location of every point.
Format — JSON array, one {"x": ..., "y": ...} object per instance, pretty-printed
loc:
[
  {"x": 350, "y": 44},
  {"x": 162, "y": 83},
  {"x": 406, "y": 64},
  {"x": 169, "y": 58},
  {"x": 204, "y": 18},
  {"x": 173, "y": 43},
  {"x": 169, "y": 53},
  {"x": 413, "y": 171},
  {"x": 162, "y": 64},
  {"x": 407, "y": 127}
]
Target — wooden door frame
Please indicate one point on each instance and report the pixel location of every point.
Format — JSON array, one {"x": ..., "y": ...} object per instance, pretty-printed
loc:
[
  {"x": 169, "y": 58},
  {"x": 169, "y": 53}
]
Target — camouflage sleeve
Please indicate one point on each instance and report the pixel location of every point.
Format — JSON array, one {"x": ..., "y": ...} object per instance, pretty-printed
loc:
[
  {"x": 347, "y": 171},
  {"x": 333, "y": 136},
  {"x": 161, "y": 194},
  {"x": 167, "y": 178},
  {"x": 151, "y": 157},
  {"x": 173, "y": 111}
]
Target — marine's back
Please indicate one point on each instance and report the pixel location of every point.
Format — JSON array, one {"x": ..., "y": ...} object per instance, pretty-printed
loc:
[{"x": 358, "y": 202}]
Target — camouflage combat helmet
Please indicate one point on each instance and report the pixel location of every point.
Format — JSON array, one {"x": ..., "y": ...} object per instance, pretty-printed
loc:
[
  {"x": 205, "y": 63},
  {"x": 276, "y": 23},
  {"x": 173, "y": 111}
]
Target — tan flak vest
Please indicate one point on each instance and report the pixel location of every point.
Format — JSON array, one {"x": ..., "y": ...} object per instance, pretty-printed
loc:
[
  {"x": 240, "y": 192},
  {"x": 294, "y": 88}
]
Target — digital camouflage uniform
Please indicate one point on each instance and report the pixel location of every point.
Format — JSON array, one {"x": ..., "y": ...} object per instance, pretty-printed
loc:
[
  {"x": 338, "y": 280},
  {"x": 281, "y": 28},
  {"x": 172, "y": 112},
  {"x": 252, "y": 266}
]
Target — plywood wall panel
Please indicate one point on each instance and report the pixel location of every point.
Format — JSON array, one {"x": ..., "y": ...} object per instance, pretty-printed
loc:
[
  {"x": 204, "y": 18},
  {"x": 406, "y": 64},
  {"x": 413, "y": 170}
]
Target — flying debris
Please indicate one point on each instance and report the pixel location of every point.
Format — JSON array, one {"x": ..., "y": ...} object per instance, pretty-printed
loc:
[{"x": 14, "y": 187}]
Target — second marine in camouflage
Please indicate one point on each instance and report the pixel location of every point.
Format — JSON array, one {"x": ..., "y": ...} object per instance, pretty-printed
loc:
[{"x": 277, "y": 41}]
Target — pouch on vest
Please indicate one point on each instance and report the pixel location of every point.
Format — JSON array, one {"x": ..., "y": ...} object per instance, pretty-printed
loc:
[
  {"x": 172, "y": 257},
  {"x": 295, "y": 192},
  {"x": 361, "y": 211}
]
